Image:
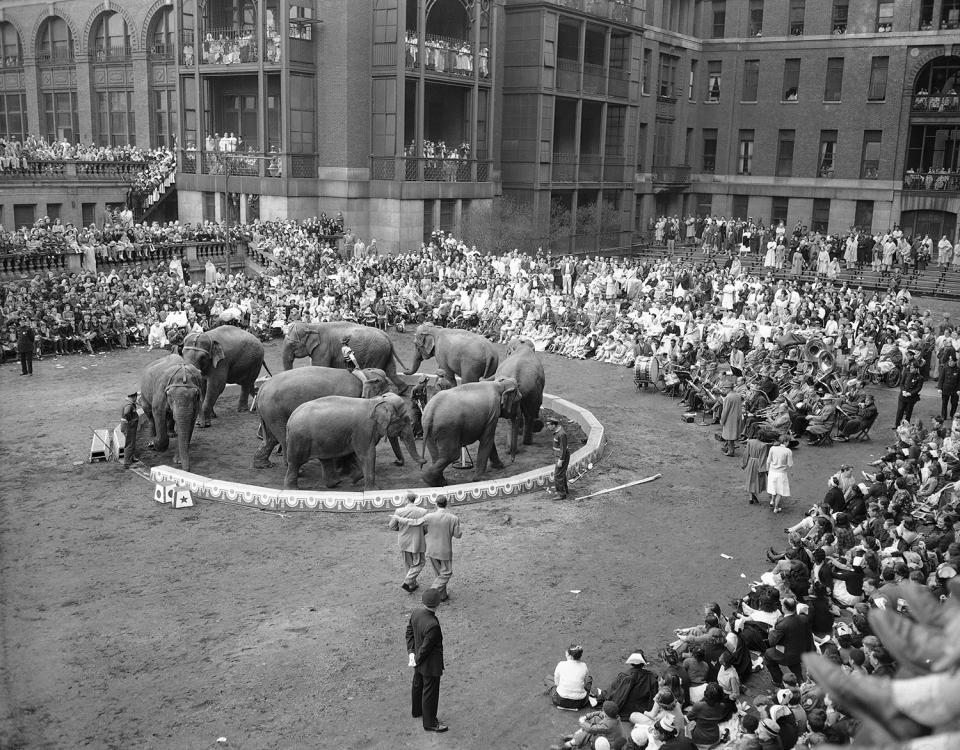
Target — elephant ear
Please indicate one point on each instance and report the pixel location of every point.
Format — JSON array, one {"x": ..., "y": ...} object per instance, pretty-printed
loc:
[
  {"x": 509, "y": 397},
  {"x": 383, "y": 414},
  {"x": 310, "y": 341},
  {"x": 429, "y": 345},
  {"x": 216, "y": 353}
]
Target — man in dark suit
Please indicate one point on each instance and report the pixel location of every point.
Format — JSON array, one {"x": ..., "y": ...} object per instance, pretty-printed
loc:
[
  {"x": 25, "y": 344},
  {"x": 911, "y": 383},
  {"x": 425, "y": 646},
  {"x": 789, "y": 639}
]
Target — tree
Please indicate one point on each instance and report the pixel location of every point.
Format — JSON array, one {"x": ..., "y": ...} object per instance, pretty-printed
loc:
[{"x": 501, "y": 227}]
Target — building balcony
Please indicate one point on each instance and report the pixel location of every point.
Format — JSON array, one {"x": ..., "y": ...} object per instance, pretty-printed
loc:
[
  {"x": 666, "y": 179},
  {"x": 429, "y": 169},
  {"x": 162, "y": 52},
  {"x": 932, "y": 181},
  {"x": 11, "y": 62},
  {"x": 110, "y": 55},
  {"x": 56, "y": 57},
  {"x": 935, "y": 103},
  {"x": 50, "y": 171},
  {"x": 273, "y": 165},
  {"x": 628, "y": 12},
  {"x": 446, "y": 56},
  {"x": 229, "y": 46}
]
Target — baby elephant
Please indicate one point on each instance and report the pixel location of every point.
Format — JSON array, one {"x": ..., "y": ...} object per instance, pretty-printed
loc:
[{"x": 336, "y": 427}]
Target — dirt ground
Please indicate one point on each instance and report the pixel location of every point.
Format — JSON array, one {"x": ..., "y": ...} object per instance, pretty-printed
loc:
[{"x": 128, "y": 624}]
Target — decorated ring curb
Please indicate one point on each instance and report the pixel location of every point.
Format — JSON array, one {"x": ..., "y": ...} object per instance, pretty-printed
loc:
[{"x": 267, "y": 498}]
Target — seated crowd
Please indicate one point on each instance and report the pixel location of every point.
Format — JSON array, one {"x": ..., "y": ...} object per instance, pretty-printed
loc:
[
  {"x": 856, "y": 550},
  {"x": 851, "y": 552},
  {"x": 15, "y": 156}
]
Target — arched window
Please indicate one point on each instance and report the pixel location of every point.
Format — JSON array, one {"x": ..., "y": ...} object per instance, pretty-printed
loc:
[
  {"x": 111, "y": 39},
  {"x": 11, "y": 56},
  {"x": 161, "y": 34},
  {"x": 56, "y": 42},
  {"x": 938, "y": 77}
]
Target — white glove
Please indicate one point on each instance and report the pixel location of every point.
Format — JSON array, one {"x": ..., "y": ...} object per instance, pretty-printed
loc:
[{"x": 412, "y": 662}]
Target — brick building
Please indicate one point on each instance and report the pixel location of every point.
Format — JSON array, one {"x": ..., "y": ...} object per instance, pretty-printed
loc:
[{"x": 409, "y": 114}]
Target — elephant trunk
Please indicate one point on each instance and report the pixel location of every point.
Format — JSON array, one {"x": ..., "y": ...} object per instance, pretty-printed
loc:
[
  {"x": 287, "y": 355},
  {"x": 184, "y": 433},
  {"x": 417, "y": 361}
]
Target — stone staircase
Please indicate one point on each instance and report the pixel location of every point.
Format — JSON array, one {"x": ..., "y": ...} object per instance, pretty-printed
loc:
[{"x": 934, "y": 281}]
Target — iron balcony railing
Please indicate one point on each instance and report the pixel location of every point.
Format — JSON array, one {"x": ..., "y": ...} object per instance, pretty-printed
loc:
[
  {"x": 59, "y": 55},
  {"x": 110, "y": 54},
  {"x": 622, "y": 11},
  {"x": 429, "y": 169},
  {"x": 11, "y": 61},
  {"x": 934, "y": 180},
  {"x": 248, "y": 164},
  {"x": 672, "y": 176},
  {"x": 446, "y": 55}
]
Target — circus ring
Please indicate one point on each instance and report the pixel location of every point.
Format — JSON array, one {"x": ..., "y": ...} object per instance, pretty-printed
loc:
[{"x": 268, "y": 498}]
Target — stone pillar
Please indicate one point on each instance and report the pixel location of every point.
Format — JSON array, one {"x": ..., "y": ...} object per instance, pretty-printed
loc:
[
  {"x": 86, "y": 103},
  {"x": 31, "y": 84},
  {"x": 142, "y": 100}
]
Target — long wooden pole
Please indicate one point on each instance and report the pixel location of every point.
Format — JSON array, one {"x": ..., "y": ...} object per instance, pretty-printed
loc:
[{"x": 622, "y": 486}]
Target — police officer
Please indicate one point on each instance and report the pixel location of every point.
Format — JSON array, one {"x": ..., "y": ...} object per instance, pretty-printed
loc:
[
  {"x": 561, "y": 456},
  {"x": 129, "y": 424}
]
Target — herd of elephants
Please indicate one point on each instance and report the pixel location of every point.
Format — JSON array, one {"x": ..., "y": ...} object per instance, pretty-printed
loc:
[{"x": 318, "y": 412}]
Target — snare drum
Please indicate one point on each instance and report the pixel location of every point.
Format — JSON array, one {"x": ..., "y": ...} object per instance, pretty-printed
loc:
[{"x": 646, "y": 370}]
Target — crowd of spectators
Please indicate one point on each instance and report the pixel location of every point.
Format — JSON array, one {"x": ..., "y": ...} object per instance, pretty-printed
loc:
[
  {"x": 854, "y": 551},
  {"x": 15, "y": 155}
]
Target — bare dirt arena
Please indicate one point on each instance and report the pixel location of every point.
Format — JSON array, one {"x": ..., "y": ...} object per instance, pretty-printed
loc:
[{"x": 126, "y": 624}]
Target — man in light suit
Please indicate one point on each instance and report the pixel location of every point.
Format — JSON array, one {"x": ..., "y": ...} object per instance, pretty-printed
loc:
[
  {"x": 441, "y": 528},
  {"x": 425, "y": 648},
  {"x": 411, "y": 541}
]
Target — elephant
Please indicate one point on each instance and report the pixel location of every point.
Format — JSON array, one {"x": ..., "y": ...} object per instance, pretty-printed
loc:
[
  {"x": 321, "y": 342},
  {"x": 339, "y": 427},
  {"x": 523, "y": 365},
  {"x": 285, "y": 391},
  {"x": 462, "y": 353},
  {"x": 225, "y": 354},
  {"x": 170, "y": 390},
  {"x": 464, "y": 415}
]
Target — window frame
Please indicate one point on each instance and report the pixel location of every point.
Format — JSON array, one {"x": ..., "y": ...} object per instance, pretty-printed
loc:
[
  {"x": 784, "y": 165},
  {"x": 791, "y": 75},
  {"x": 709, "y": 135},
  {"x": 872, "y": 141},
  {"x": 797, "y": 9},
  {"x": 872, "y": 82},
  {"x": 827, "y": 91},
  {"x": 746, "y": 144},
  {"x": 827, "y": 163},
  {"x": 714, "y": 81},
  {"x": 751, "y": 79}
]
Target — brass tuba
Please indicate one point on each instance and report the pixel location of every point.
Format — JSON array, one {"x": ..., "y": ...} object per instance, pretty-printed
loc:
[
  {"x": 813, "y": 349},
  {"x": 826, "y": 362}
]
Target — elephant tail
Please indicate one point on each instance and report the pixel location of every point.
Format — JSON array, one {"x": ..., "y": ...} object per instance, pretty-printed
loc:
[
  {"x": 393, "y": 351},
  {"x": 264, "y": 365}
]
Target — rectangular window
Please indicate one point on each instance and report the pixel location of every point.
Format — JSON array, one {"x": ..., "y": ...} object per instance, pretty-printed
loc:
[
  {"x": 688, "y": 146},
  {"x": 950, "y": 15},
  {"x": 926, "y": 15},
  {"x": 663, "y": 143},
  {"x": 709, "y": 149},
  {"x": 870, "y": 158},
  {"x": 645, "y": 71},
  {"x": 60, "y": 120},
  {"x": 704, "y": 204},
  {"x": 839, "y": 16},
  {"x": 301, "y": 25},
  {"x": 885, "y": 15},
  {"x": 756, "y": 18},
  {"x": 114, "y": 121},
  {"x": 780, "y": 209},
  {"x": 447, "y": 215},
  {"x": 693, "y": 80},
  {"x": 209, "y": 206},
  {"x": 13, "y": 115},
  {"x": 88, "y": 213},
  {"x": 668, "y": 76},
  {"x": 827, "y": 153},
  {"x": 751, "y": 80},
  {"x": 53, "y": 211},
  {"x": 745, "y": 153},
  {"x": 797, "y": 10},
  {"x": 791, "y": 79},
  {"x": 833, "y": 85},
  {"x": 741, "y": 206},
  {"x": 719, "y": 18},
  {"x": 714, "y": 69},
  {"x": 877, "y": 90},
  {"x": 302, "y": 114},
  {"x": 785, "y": 141},
  {"x": 23, "y": 214},
  {"x": 863, "y": 216},
  {"x": 641, "y": 145},
  {"x": 164, "y": 115},
  {"x": 821, "y": 215}
]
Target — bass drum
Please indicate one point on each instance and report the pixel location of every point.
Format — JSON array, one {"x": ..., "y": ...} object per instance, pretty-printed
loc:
[{"x": 646, "y": 371}]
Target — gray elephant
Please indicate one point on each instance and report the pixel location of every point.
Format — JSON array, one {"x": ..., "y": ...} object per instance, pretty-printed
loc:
[
  {"x": 464, "y": 415},
  {"x": 337, "y": 427},
  {"x": 523, "y": 365},
  {"x": 285, "y": 391},
  {"x": 322, "y": 343},
  {"x": 225, "y": 354},
  {"x": 170, "y": 391},
  {"x": 462, "y": 353}
]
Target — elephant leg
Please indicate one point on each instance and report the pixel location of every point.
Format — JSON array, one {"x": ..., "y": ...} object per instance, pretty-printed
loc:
[
  {"x": 331, "y": 476},
  {"x": 528, "y": 416},
  {"x": 214, "y": 389},
  {"x": 261, "y": 458},
  {"x": 291, "y": 476},
  {"x": 395, "y": 444},
  {"x": 439, "y": 460},
  {"x": 495, "y": 461},
  {"x": 247, "y": 389}
]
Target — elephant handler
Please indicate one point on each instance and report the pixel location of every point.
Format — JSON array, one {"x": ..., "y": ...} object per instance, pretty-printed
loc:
[
  {"x": 411, "y": 541},
  {"x": 129, "y": 424},
  {"x": 561, "y": 455},
  {"x": 350, "y": 360}
]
